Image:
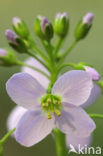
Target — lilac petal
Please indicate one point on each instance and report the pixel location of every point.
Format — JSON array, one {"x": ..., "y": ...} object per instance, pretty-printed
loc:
[
  {"x": 25, "y": 90},
  {"x": 14, "y": 117},
  {"x": 95, "y": 93},
  {"x": 38, "y": 76},
  {"x": 76, "y": 141},
  {"x": 95, "y": 75},
  {"x": 74, "y": 87},
  {"x": 33, "y": 127},
  {"x": 75, "y": 121}
]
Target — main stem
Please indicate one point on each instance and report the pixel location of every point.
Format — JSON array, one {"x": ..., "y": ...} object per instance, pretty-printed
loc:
[{"x": 60, "y": 143}]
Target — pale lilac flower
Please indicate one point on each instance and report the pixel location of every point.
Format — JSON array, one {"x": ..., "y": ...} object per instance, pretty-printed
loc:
[
  {"x": 88, "y": 18},
  {"x": 11, "y": 36},
  {"x": 71, "y": 90},
  {"x": 96, "y": 90},
  {"x": 3, "y": 52},
  {"x": 95, "y": 75}
]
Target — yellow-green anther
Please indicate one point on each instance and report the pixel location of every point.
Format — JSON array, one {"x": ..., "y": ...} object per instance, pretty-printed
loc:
[
  {"x": 49, "y": 116},
  {"x": 58, "y": 113}
]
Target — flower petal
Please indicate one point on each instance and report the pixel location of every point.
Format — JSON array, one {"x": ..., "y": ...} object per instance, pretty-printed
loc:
[
  {"x": 38, "y": 76},
  {"x": 33, "y": 127},
  {"x": 95, "y": 93},
  {"x": 76, "y": 141},
  {"x": 14, "y": 117},
  {"x": 75, "y": 121},
  {"x": 74, "y": 87},
  {"x": 24, "y": 90}
]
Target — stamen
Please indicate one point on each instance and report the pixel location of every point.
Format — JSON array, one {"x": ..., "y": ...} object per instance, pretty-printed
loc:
[
  {"x": 49, "y": 116},
  {"x": 58, "y": 113}
]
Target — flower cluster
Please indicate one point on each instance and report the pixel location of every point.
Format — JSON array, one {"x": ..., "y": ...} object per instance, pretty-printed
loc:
[{"x": 49, "y": 101}]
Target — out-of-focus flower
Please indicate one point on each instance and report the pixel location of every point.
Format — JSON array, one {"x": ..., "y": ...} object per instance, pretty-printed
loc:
[
  {"x": 7, "y": 58},
  {"x": 62, "y": 107},
  {"x": 38, "y": 76}
]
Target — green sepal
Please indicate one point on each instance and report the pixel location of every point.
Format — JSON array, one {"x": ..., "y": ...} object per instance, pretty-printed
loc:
[
  {"x": 81, "y": 30},
  {"x": 21, "y": 29},
  {"x": 61, "y": 26}
]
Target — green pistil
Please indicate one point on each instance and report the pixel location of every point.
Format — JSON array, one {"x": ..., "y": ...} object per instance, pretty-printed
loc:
[{"x": 51, "y": 104}]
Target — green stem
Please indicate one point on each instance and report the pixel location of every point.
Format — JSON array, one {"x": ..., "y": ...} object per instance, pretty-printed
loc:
[
  {"x": 34, "y": 68},
  {"x": 60, "y": 143},
  {"x": 98, "y": 116},
  {"x": 66, "y": 65},
  {"x": 67, "y": 52},
  {"x": 39, "y": 60},
  {"x": 43, "y": 56},
  {"x": 6, "y": 136},
  {"x": 57, "y": 47}
]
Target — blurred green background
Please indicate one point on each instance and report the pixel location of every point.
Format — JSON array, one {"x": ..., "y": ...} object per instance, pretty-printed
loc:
[{"x": 89, "y": 50}]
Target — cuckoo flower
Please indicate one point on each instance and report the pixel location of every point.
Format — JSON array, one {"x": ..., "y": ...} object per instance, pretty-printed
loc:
[
  {"x": 59, "y": 109},
  {"x": 44, "y": 81}
]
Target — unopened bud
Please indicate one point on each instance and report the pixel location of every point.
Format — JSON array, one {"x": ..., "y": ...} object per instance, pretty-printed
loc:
[
  {"x": 16, "y": 42},
  {"x": 61, "y": 24},
  {"x": 93, "y": 73},
  {"x": 20, "y": 28},
  {"x": 90, "y": 70},
  {"x": 88, "y": 18},
  {"x": 43, "y": 28},
  {"x": 84, "y": 26},
  {"x": 7, "y": 58},
  {"x": 11, "y": 36}
]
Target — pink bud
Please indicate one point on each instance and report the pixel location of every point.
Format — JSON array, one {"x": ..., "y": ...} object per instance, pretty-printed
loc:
[
  {"x": 88, "y": 18},
  {"x": 91, "y": 71},
  {"x": 3, "y": 52}
]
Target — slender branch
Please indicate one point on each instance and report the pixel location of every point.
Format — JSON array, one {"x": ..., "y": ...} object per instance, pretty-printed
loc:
[
  {"x": 7, "y": 136},
  {"x": 40, "y": 53},
  {"x": 66, "y": 65},
  {"x": 57, "y": 47},
  {"x": 98, "y": 116},
  {"x": 67, "y": 52},
  {"x": 34, "y": 68},
  {"x": 39, "y": 60}
]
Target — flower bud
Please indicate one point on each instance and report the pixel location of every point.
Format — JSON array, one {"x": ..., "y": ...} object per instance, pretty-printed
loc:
[
  {"x": 16, "y": 42},
  {"x": 11, "y": 36},
  {"x": 43, "y": 28},
  {"x": 20, "y": 28},
  {"x": 61, "y": 24},
  {"x": 91, "y": 71},
  {"x": 7, "y": 58},
  {"x": 84, "y": 26}
]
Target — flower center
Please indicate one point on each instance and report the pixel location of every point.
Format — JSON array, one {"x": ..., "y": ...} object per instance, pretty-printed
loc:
[{"x": 51, "y": 104}]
